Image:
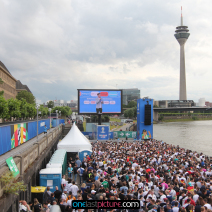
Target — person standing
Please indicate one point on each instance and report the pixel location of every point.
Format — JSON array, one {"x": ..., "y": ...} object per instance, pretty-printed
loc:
[
  {"x": 99, "y": 103},
  {"x": 80, "y": 172},
  {"x": 75, "y": 172},
  {"x": 78, "y": 162},
  {"x": 70, "y": 170},
  {"x": 74, "y": 189},
  {"x": 57, "y": 193},
  {"x": 45, "y": 130}
]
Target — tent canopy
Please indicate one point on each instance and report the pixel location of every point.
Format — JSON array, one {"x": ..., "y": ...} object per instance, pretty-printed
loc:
[{"x": 75, "y": 141}]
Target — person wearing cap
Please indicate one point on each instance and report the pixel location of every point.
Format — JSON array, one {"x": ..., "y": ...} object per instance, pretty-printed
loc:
[
  {"x": 99, "y": 103},
  {"x": 93, "y": 192}
]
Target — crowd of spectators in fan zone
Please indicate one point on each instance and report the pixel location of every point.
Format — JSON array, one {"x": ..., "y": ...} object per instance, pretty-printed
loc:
[{"x": 163, "y": 177}]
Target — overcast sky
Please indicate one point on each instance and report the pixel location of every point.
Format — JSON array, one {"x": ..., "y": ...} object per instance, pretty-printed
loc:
[{"x": 58, "y": 46}]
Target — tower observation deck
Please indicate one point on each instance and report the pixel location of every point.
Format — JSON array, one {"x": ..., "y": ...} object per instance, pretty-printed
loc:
[{"x": 181, "y": 34}]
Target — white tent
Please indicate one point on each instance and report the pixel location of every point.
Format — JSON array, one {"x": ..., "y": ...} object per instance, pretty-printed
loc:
[{"x": 75, "y": 141}]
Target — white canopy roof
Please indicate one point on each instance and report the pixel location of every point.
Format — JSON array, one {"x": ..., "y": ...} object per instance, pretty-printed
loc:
[{"x": 75, "y": 141}]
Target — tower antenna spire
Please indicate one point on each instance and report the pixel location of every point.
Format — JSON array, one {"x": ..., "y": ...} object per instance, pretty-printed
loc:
[{"x": 181, "y": 16}]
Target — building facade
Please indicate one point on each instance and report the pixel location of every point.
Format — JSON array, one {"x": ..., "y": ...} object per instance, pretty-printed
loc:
[
  {"x": 129, "y": 95},
  {"x": 72, "y": 103},
  {"x": 20, "y": 87},
  {"x": 9, "y": 82}
]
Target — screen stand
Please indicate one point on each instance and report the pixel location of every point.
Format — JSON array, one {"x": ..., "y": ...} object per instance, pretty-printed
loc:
[{"x": 99, "y": 119}]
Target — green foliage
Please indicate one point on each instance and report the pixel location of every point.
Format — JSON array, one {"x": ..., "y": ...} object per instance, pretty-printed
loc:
[
  {"x": 194, "y": 118},
  {"x": 1, "y": 93},
  {"x": 94, "y": 118},
  {"x": 65, "y": 110},
  {"x": 23, "y": 108},
  {"x": 10, "y": 186},
  {"x": 44, "y": 110},
  {"x": 155, "y": 106},
  {"x": 132, "y": 104},
  {"x": 130, "y": 113},
  {"x": 14, "y": 108},
  {"x": 3, "y": 108},
  {"x": 105, "y": 118},
  {"x": 1, "y": 81},
  {"x": 50, "y": 104},
  {"x": 31, "y": 110},
  {"x": 134, "y": 111},
  {"x": 126, "y": 113},
  {"x": 161, "y": 117},
  {"x": 27, "y": 96}
]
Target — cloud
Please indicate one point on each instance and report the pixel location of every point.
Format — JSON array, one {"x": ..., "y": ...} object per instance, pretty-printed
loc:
[{"x": 56, "y": 47}]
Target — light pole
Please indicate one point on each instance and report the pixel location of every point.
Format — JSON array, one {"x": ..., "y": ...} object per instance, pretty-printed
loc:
[
  {"x": 50, "y": 118},
  {"x": 56, "y": 117},
  {"x": 37, "y": 106},
  {"x": 60, "y": 113}
]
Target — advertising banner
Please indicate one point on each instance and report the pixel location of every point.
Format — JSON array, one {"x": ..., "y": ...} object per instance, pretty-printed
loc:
[
  {"x": 102, "y": 132},
  {"x": 99, "y": 101},
  {"x": 130, "y": 134},
  {"x": 5, "y": 139},
  {"x": 144, "y": 131},
  {"x": 19, "y": 134},
  {"x": 110, "y": 135},
  {"x": 12, "y": 166}
]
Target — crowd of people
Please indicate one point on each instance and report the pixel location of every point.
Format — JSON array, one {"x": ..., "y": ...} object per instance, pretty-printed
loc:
[{"x": 163, "y": 177}]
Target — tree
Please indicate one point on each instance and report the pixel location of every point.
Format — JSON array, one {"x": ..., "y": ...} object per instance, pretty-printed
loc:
[
  {"x": 65, "y": 111},
  {"x": 50, "y": 104},
  {"x": 14, "y": 108},
  {"x": 10, "y": 186},
  {"x": 23, "y": 108},
  {"x": 126, "y": 113},
  {"x": 132, "y": 104},
  {"x": 134, "y": 111},
  {"x": 3, "y": 108},
  {"x": 31, "y": 110},
  {"x": 43, "y": 110},
  {"x": 27, "y": 96},
  {"x": 131, "y": 113},
  {"x": 1, "y": 92}
]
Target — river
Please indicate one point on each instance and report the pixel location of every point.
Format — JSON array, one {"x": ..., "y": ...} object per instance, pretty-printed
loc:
[{"x": 193, "y": 135}]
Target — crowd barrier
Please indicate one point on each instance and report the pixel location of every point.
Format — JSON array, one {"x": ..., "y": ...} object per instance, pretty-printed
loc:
[{"x": 16, "y": 134}]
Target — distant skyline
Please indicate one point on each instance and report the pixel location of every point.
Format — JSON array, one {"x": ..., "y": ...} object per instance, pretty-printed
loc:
[{"x": 57, "y": 47}]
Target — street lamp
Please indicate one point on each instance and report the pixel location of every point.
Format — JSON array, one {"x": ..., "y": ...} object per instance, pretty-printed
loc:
[
  {"x": 50, "y": 117},
  {"x": 37, "y": 106},
  {"x": 60, "y": 113},
  {"x": 56, "y": 117}
]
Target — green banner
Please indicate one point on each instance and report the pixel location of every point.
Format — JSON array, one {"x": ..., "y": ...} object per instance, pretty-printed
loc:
[
  {"x": 12, "y": 166},
  {"x": 124, "y": 134},
  {"x": 130, "y": 134}
]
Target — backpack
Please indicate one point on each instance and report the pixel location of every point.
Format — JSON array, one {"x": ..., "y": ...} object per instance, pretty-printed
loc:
[{"x": 81, "y": 172}]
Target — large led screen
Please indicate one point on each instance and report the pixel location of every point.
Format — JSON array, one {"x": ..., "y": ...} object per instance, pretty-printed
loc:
[{"x": 93, "y": 101}]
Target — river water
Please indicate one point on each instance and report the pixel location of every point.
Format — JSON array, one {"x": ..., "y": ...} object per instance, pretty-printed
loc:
[{"x": 193, "y": 135}]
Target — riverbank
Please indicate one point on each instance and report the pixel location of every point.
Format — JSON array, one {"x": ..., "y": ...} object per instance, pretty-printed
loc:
[{"x": 185, "y": 120}]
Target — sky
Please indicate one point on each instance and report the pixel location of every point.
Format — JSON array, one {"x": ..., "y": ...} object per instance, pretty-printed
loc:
[{"x": 56, "y": 47}]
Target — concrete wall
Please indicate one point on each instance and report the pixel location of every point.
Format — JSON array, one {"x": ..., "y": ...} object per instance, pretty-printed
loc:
[{"x": 29, "y": 164}]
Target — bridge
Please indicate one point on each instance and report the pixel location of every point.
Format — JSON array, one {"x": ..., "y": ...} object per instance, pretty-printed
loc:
[{"x": 180, "y": 109}]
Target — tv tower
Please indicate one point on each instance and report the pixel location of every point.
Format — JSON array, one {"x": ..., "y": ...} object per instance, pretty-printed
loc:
[{"x": 182, "y": 36}]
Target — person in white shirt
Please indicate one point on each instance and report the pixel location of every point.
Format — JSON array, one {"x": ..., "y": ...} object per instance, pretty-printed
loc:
[
  {"x": 74, "y": 189},
  {"x": 162, "y": 196},
  {"x": 175, "y": 208},
  {"x": 196, "y": 196}
]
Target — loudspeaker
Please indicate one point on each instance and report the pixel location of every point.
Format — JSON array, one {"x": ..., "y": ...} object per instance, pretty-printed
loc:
[{"x": 147, "y": 117}]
